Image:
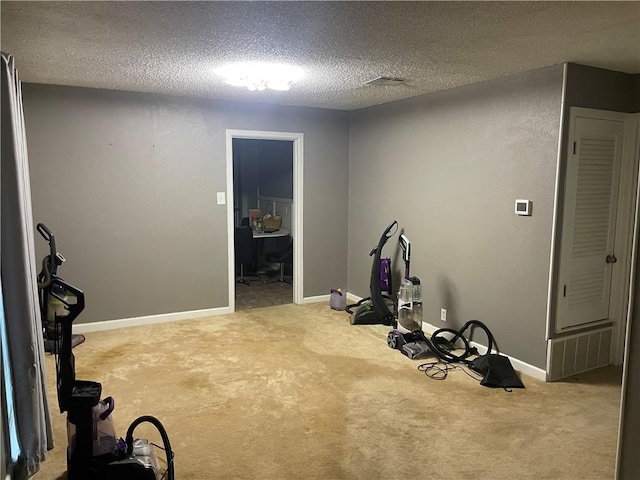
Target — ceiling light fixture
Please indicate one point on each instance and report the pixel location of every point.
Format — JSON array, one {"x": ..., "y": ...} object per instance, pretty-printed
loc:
[{"x": 260, "y": 75}]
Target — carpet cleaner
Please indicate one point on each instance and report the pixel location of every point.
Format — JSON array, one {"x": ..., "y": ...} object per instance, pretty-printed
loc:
[
  {"x": 407, "y": 336},
  {"x": 93, "y": 452}
]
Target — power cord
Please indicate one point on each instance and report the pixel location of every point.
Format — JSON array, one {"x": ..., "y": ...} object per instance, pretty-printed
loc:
[
  {"x": 439, "y": 370},
  {"x": 436, "y": 370}
]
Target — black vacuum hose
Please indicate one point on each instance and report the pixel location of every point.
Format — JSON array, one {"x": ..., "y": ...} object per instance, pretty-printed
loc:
[
  {"x": 446, "y": 354},
  {"x": 163, "y": 434},
  {"x": 349, "y": 308},
  {"x": 44, "y": 278}
]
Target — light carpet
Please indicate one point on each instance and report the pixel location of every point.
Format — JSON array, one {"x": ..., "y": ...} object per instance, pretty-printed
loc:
[
  {"x": 260, "y": 294},
  {"x": 296, "y": 392}
]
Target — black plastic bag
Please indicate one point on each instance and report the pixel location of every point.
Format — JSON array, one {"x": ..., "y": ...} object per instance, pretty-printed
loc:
[{"x": 497, "y": 370}]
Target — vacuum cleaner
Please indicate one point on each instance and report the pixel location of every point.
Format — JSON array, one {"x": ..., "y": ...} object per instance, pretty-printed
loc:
[
  {"x": 380, "y": 308},
  {"x": 50, "y": 306},
  {"x": 93, "y": 452},
  {"x": 408, "y": 336},
  {"x": 377, "y": 308}
]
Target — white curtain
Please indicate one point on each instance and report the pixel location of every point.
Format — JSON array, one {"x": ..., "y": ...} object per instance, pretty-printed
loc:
[{"x": 25, "y": 406}]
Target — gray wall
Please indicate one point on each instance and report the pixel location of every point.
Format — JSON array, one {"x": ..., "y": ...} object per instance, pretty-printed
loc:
[
  {"x": 591, "y": 87},
  {"x": 276, "y": 169},
  {"x": 264, "y": 166},
  {"x": 448, "y": 167},
  {"x": 245, "y": 178},
  {"x": 128, "y": 184}
]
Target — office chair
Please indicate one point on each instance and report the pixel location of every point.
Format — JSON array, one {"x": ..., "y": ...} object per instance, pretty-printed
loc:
[
  {"x": 245, "y": 253},
  {"x": 284, "y": 256}
]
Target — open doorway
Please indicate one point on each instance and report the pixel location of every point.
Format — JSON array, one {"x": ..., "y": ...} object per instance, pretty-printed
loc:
[{"x": 264, "y": 191}]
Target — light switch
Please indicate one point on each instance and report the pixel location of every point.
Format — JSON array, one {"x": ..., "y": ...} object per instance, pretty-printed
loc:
[{"x": 221, "y": 199}]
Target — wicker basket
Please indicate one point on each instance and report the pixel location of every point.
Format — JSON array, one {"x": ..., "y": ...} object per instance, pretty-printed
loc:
[
  {"x": 254, "y": 215},
  {"x": 272, "y": 222}
]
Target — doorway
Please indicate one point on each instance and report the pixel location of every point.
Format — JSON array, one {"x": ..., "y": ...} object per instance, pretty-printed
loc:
[{"x": 268, "y": 201}]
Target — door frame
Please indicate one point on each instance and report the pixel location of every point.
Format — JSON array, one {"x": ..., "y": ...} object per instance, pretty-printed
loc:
[
  {"x": 626, "y": 410},
  {"x": 297, "y": 210},
  {"x": 626, "y": 224},
  {"x": 629, "y": 195}
]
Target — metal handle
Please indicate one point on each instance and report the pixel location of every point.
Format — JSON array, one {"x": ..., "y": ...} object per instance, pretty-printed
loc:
[{"x": 611, "y": 259}]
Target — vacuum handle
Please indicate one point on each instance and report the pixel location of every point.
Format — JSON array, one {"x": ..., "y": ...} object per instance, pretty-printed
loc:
[
  {"x": 386, "y": 232},
  {"x": 386, "y": 235},
  {"x": 44, "y": 231},
  {"x": 49, "y": 237},
  {"x": 111, "y": 404},
  {"x": 405, "y": 245}
]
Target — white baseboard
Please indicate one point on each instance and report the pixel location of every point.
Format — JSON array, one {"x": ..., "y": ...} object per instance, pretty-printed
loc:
[
  {"x": 316, "y": 299},
  {"x": 147, "y": 320},
  {"x": 353, "y": 298}
]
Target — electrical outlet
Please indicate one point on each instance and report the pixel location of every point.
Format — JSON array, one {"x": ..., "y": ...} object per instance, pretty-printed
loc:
[
  {"x": 443, "y": 314},
  {"x": 220, "y": 197}
]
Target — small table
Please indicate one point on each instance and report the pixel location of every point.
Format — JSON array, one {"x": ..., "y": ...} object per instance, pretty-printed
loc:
[
  {"x": 281, "y": 232},
  {"x": 260, "y": 237}
]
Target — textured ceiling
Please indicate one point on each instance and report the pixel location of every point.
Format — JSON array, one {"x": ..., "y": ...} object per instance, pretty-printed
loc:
[{"x": 173, "y": 47}]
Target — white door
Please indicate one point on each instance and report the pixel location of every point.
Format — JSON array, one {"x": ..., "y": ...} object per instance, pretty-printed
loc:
[{"x": 587, "y": 256}]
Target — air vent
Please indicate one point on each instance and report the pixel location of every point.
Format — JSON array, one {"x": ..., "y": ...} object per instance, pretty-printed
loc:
[
  {"x": 578, "y": 353},
  {"x": 385, "y": 81}
]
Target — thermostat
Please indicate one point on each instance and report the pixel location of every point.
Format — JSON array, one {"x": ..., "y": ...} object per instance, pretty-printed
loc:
[{"x": 523, "y": 207}]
